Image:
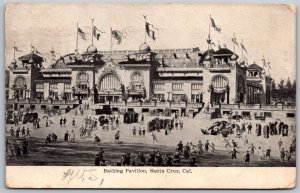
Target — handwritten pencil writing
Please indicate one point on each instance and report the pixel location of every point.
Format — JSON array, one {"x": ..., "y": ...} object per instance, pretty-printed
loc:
[{"x": 81, "y": 175}]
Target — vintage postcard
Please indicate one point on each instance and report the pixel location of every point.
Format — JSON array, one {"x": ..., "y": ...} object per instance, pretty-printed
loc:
[{"x": 160, "y": 96}]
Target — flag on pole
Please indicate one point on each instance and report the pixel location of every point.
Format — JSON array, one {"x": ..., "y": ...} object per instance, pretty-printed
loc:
[
  {"x": 215, "y": 26},
  {"x": 81, "y": 33},
  {"x": 209, "y": 41},
  {"x": 118, "y": 35},
  {"x": 234, "y": 41},
  {"x": 264, "y": 63},
  {"x": 96, "y": 34},
  {"x": 269, "y": 66},
  {"x": 150, "y": 32},
  {"x": 243, "y": 47},
  {"x": 53, "y": 53},
  {"x": 17, "y": 49}
]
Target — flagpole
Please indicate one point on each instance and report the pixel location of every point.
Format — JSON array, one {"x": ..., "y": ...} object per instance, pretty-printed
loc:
[
  {"x": 14, "y": 50},
  {"x": 76, "y": 39},
  {"x": 269, "y": 67},
  {"x": 209, "y": 32},
  {"x": 242, "y": 50},
  {"x": 145, "y": 32},
  {"x": 233, "y": 43},
  {"x": 92, "y": 31},
  {"x": 111, "y": 39}
]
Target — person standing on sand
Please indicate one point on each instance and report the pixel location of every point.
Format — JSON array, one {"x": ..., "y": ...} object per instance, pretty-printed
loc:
[
  {"x": 252, "y": 148},
  {"x": 73, "y": 123},
  {"x": 134, "y": 131},
  {"x": 280, "y": 142},
  {"x": 268, "y": 152},
  {"x": 117, "y": 137},
  {"x": 66, "y": 136},
  {"x": 227, "y": 143},
  {"x": 72, "y": 136},
  {"x": 61, "y": 122},
  {"x": 247, "y": 157},
  {"x": 233, "y": 153},
  {"x": 154, "y": 139},
  {"x": 282, "y": 154}
]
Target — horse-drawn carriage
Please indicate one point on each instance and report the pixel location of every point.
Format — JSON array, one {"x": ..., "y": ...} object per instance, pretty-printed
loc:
[{"x": 221, "y": 127}]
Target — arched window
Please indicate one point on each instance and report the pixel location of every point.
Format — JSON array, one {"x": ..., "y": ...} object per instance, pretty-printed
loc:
[
  {"x": 136, "y": 81},
  {"x": 136, "y": 77},
  {"x": 82, "y": 77},
  {"x": 219, "y": 82},
  {"x": 20, "y": 82},
  {"x": 110, "y": 81}
]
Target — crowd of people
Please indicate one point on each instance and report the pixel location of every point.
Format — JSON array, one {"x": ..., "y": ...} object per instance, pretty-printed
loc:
[
  {"x": 238, "y": 144},
  {"x": 16, "y": 141}
]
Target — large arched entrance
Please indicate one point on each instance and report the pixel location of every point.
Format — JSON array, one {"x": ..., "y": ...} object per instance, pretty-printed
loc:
[
  {"x": 20, "y": 88},
  {"x": 219, "y": 89},
  {"x": 109, "y": 87}
]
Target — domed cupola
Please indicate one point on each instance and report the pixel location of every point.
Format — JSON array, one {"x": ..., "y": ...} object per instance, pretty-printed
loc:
[
  {"x": 14, "y": 61},
  {"x": 91, "y": 49},
  {"x": 234, "y": 57},
  {"x": 207, "y": 57},
  {"x": 144, "y": 47}
]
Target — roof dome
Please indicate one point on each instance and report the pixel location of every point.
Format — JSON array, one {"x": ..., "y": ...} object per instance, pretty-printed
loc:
[
  {"x": 91, "y": 49},
  {"x": 242, "y": 61},
  {"x": 14, "y": 61},
  {"x": 207, "y": 57},
  {"x": 144, "y": 47},
  {"x": 233, "y": 57}
]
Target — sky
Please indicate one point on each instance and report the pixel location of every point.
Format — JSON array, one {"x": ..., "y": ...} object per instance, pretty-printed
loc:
[{"x": 266, "y": 30}]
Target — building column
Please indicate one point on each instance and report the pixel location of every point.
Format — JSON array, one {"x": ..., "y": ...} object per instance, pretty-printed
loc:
[
  {"x": 211, "y": 94},
  {"x": 228, "y": 93}
]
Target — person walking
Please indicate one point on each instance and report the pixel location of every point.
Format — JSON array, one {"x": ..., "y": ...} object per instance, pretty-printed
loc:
[
  {"x": 65, "y": 121},
  {"x": 227, "y": 144},
  {"x": 249, "y": 128},
  {"x": 234, "y": 144},
  {"x": 66, "y": 136},
  {"x": 154, "y": 139},
  {"x": 134, "y": 131},
  {"x": 117, "y": 122},
  {"x": 247, "y": 157},
  {"x": 233, "y": 153},
  {"x": 282, "y": 154},
  {"x": 72, "y": 136},
  {"x": 61, "y": 122},
  {"x": 18, "y": 133},
  {"x": 73, "y": 123},
  {"x": 252, "y": 148},
  {"x": 280, "y": 142},
  {"x": 144, "y": 131},
  {"x": 23, "y": 132},
  {"x": 12, "y": 132},
  {"x": 28, "y": 132},
  {"x": 206, "y": 146},
  {"x": 142, "y": 119},
  {"x": 200, "y": 147},
  {"x": 288, "y": 155},
  {"x": 117, "y": 137},
  {"x": 268, "y": 152}
]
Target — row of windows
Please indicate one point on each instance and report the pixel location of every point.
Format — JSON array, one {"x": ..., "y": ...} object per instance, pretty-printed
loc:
[
  {"x": 159, "y": 86},
  {"x": 176, "y": 86},
  {"x": 53, "y": 86}
]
